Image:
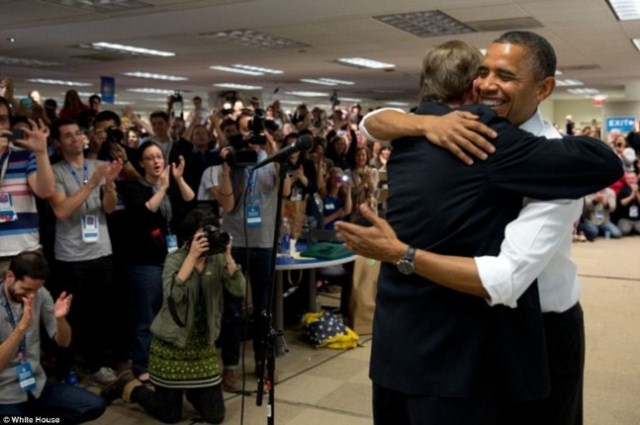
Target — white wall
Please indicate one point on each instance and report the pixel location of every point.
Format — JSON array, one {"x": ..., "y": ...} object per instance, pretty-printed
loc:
[{"x": 583, "y": 111}]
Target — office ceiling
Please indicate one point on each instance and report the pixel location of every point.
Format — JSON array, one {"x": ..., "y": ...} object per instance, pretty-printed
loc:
[{"x": 591, "y": 44}]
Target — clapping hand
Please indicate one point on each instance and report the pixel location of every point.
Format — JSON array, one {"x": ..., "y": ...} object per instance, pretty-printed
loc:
[
  {"x": 178, "y": 170},
  {"x": 63, "y": 305}
]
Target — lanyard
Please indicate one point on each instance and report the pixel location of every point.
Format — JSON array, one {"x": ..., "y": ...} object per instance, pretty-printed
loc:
[
  {"x": 85, "y": 173},
  {"x": 22, "y": 349},
  {"x": 5, "y": 165}
]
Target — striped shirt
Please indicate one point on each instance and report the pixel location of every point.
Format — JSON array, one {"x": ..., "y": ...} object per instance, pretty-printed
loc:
[{"x": 21, "y": 234}]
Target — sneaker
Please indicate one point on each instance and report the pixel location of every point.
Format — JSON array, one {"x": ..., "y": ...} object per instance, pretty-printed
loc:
[
  {"x": 115, "y": 389},
  {"x": 104, "y": 376},
  {"x": 231, "y": 381}
]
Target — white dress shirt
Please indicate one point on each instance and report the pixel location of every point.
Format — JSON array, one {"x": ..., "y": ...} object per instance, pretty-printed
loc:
[{"x": 537, "y": 245}]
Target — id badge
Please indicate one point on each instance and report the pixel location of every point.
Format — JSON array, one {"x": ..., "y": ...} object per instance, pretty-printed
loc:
[
  {"x": 633, "y": 211},
  {"x": 172, "y": 243},
  {"x": 7, "y": 211},
  {"x": 329, "y": 207},
  {"x": 296, "y": 195},
  {"x": 90, "y": 232},
  {"x": 253, "y": 215},
  {"x": 25, "y": 377},
  {"x": 600, "y": 215}
]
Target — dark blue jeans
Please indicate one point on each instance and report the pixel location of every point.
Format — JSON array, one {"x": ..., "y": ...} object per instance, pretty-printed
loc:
[
  {"x": 146, "y": 300},
  {"x": 73, "y": 405},
  {"x": 258, "y": 273}
]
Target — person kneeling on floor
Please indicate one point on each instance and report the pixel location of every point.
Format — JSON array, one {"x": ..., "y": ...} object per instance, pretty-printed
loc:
[{"x": 183, "y": 355}]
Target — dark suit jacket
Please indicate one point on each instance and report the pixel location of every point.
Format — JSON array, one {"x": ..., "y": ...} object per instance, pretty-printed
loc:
[{"x": 432, "y": 340}]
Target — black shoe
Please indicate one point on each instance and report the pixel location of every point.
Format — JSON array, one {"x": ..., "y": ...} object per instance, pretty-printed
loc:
[{"x": 114, "y": 390}]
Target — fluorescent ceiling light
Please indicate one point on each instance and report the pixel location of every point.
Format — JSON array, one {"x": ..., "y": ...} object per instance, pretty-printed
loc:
[
  {"x": 152, "y": 76},
  {"x": 258, "y": 69},
  {"x": 59, "y": 82},
  {"x": 565, "y": 83},
  {"x": 583, "y": 91},
  {"x": 327, "y": 81},
  {"x": 307, "y": 93},
  {"x": 155, "y": 99},
  {"x": 397, "y": 103},
  {"x": 6, "y": 60},
  {"x": 350, "y": 99},
  {"x": 558, "y": 72},
  {"x": 101, "y": 6},
  {"x": 625, "y": 10},
  {"x": 123, "y": 102},
  {"x": 366, "y": 63},
  {"x": 152, "y": 91},
  {"x": 246, "y": 69},
  {"x": 237, "y": 86},
  {"x": 121, "y": 48}
]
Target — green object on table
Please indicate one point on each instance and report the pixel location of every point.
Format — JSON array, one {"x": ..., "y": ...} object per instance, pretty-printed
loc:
[{"x": 326, "y": 251}]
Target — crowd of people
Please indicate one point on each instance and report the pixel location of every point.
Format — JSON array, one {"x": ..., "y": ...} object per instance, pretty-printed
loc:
[{"x": 104, "y": 199}]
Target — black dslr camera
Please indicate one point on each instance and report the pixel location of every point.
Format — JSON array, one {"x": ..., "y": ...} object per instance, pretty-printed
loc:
[
  {"x": 256, "y": 128},
  {"x": 114, "y": 135},
  {"x": 218, "y": 239}
]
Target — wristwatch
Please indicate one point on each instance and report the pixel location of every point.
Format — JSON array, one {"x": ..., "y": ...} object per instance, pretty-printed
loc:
[{"x": 405, "y": 264}]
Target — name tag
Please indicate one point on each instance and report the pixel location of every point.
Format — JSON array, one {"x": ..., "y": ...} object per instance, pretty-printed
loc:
[
  {"x": 25, "y": 377},
  {"x": 7, "y": 211},
  {"x": 633, "y": 211},
  {"x": 90, "y": 230},
  {"x": 172, "y": 243},
  {"x": 252, "y": 214}
]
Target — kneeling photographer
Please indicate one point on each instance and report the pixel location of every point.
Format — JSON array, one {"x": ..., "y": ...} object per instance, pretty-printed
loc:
[
  {"x": 257, "y": 214},
  {"x": 183, "y": 355}
]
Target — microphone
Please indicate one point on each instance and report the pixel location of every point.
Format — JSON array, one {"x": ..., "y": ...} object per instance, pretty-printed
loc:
[{"x": 304, "y": 142}]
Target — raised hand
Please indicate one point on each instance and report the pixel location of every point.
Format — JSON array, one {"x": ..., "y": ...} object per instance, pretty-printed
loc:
[
  {"x": 27, "y": 313},
  {"x": 178, "y": 170},
  {"x": 164, "y": 178},
  {"x": 63, "y": 305},
  {"x": 35, "y": 137}
]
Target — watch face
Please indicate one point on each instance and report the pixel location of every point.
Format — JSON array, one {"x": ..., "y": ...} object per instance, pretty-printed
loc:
[{"x": 405, "y": 266}]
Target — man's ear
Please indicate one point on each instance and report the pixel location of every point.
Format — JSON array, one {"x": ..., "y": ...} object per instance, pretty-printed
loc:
[{"x": 546, "y": 87}]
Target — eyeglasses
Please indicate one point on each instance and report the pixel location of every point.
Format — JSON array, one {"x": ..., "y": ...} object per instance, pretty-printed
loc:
[{"x": 152, "y": 157}]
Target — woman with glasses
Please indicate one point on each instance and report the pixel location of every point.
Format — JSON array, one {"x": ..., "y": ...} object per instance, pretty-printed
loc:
[{"x": 150, "y": 203}]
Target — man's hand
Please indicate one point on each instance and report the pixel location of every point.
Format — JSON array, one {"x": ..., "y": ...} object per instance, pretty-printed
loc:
[
  {"x": 98, "y": 174},
  {"x": 113, "y": 171},
  {"x": 63, "y": 305},
  {"x": 378, "y": 241},
  {"x": 461, "y": 133},
  {"x": 27, "y": 313}
]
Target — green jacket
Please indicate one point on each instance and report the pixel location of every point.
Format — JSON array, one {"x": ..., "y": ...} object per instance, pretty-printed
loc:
[{"x": 184, "y": 295}]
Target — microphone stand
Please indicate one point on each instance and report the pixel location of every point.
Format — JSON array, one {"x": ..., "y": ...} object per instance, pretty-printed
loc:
[{"x": 268, "y": 334}]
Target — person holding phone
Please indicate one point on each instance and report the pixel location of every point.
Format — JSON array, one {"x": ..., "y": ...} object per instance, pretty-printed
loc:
[
  {"x": 337, "y": 202},
  {"x": 25, "y": 173}
]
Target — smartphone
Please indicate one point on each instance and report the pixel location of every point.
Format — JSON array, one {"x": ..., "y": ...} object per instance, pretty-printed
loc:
[{"x": 16, "y": 134}]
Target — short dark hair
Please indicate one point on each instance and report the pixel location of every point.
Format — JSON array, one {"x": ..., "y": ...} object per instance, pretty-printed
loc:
[
  {"x": 95, "y": 96},
  {"x": 55, "y": 126},
  {"x": 195, "y": 219},
  {"x": 542, "y": 57},
  {"x": 32, "y": 264},
  {"x": 448, "y": 72},
  {"x": 197, "y": 98},
  {"x": 107, "y": 116},
  {"x": 159, "y": 114}
]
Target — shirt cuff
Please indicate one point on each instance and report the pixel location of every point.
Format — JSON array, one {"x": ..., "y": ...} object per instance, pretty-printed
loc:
[
  {"x": 363, "y": 129},
  {"x": 495, "y": 276}
]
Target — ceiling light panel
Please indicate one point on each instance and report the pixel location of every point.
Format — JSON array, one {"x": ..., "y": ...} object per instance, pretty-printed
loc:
[
  {"x": 625, "y": 10},
  {"x": 237, "y": 86},
  {"x": 6, "y": 60},
  {"x": 568, "y": 82},
  {"x": 307, "y": 93},
  {"x": 58, "y": 82},
  {"x": 152, "y": 76},
  {"x": 236, "y": 70},
  {"x": 130, "y": 50},
  {"x": 365, "y": 63},
  {"x": 151, "y": 91},
  {"x": 583, "y": 91},
  {"x": 258, "y": 69},
  {"x": 101, "y": 6},
  {"x": 397, "y": 103},
  {"x": 255, "y": 39},
  {"x": 431, "y": 23}
]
